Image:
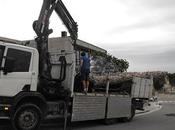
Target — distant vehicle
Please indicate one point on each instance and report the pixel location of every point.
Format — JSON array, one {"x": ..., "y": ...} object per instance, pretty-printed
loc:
[{"x": 141, "y": 91}]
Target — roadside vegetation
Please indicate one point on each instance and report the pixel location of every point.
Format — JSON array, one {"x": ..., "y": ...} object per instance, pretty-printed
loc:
[{"x": 105, "y": 63}]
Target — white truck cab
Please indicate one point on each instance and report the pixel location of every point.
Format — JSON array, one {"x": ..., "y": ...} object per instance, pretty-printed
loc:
[{"x": 19, "y": 69}]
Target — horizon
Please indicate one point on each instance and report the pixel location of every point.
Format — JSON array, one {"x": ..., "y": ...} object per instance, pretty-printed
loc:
[{"x": 140, "y": 31}]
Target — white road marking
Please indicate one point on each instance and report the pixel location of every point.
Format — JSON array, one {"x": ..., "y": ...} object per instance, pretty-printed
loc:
[
  {"x": 157, "y": 108},
  {"x": 166, "y": 101}
]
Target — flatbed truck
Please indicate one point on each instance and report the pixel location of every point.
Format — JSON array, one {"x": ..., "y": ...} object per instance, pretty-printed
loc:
[{"x": 36, "y": 83}]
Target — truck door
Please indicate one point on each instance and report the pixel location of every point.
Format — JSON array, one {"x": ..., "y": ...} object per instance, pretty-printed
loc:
[
  {"x": 2, "y": 48},
  {"x": 15, "y": 72}
]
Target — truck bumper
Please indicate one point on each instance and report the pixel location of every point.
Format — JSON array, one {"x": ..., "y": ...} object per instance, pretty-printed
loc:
[{"x": 139, "y": 103}]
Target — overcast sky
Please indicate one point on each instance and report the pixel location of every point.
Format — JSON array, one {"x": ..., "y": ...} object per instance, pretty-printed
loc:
[{"x": 140, "y": 31}]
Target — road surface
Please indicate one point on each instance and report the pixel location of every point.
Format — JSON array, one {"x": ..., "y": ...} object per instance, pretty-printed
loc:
[{"x": 163, "y": 119}]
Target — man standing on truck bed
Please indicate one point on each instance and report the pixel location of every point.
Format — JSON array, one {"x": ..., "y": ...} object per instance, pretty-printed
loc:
[{"x": 85, "y": 70}]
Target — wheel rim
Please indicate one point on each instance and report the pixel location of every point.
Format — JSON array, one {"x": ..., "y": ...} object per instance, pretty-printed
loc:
[{"x": 28, "y": 119}]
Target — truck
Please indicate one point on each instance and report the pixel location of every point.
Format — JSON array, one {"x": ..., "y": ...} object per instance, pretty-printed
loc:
[
  {"x": 38, "y": 80},
  {"x": 142, "y": 91}
]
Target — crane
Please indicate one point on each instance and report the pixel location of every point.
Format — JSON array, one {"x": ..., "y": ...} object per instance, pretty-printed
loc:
[{"x": 41, "y": 28}]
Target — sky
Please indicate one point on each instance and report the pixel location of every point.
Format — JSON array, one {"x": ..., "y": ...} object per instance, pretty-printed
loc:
[{"x": 140, "y": 31}]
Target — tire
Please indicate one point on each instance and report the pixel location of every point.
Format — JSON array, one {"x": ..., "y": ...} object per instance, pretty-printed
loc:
[
  {"x": 27, "y": 117},
  {"x": 129, "y": 118},
  {"x": 109, "y": 121}
]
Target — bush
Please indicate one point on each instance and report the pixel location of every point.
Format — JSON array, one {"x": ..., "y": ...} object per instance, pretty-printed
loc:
[
  {"x": 159, "y": 82},
  {"x": 171, "y": 79}
]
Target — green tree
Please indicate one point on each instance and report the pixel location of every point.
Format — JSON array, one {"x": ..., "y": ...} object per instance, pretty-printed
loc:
[
  {"x": 159, "y": 82},
  {"x": 171, "y": 79}
]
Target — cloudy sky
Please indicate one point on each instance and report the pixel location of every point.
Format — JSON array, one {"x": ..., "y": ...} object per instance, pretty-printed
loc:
[{"x": 140, "y": 31}]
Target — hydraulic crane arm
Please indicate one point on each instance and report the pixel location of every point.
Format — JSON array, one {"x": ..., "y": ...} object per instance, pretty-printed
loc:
[
  {"x": 41, "y": 27},
  {"x": 42, "y": 24},
  {"x": 67, "y": 19}
]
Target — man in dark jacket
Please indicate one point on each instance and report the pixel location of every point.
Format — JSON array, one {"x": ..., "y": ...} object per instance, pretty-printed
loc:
[{"x": 85, "y": 70}]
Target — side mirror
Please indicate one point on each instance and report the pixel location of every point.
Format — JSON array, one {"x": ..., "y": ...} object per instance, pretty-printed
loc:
[{"x": 9, "y": 65}]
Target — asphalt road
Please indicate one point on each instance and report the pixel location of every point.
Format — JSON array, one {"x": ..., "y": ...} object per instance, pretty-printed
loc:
[{"x": 163, "y": 119}]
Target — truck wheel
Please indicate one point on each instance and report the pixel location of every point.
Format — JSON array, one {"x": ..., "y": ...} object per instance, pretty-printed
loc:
[
  {"x": 109, "y": 121},
  {"x": 27, "y": 117},
  {"x": 129, "y": 118}
]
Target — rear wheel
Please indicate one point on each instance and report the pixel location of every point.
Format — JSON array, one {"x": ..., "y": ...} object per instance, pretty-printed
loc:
[
  {"x": 109, "y": 121},
  {"x": 129, "y": 118},
  {"x": 27, "y": 117}
]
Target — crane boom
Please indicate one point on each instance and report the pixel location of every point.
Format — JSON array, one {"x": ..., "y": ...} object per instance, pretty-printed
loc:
[
  {"x": 41, "y": 27},
  {"x": 42, "y": 24},
  {"x": 67, "y": 19}
]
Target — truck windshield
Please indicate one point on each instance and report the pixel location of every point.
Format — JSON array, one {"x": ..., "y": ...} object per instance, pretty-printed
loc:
[{"x": 1, "y": 54}]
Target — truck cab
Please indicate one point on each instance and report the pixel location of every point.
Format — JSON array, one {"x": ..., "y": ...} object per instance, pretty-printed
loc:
[{"x": 19, "y": 69}]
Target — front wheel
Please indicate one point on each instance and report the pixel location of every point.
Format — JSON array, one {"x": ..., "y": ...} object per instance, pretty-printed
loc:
[{"x": 27, "y": 117}]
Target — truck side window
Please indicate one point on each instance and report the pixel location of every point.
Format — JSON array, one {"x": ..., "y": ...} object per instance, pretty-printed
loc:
[
  {"x": 21, "y": 60},
  {"x": 1, "y": 54}
]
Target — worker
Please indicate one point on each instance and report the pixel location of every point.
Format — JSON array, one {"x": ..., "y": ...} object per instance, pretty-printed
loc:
[{"x": 85, "y": 70}]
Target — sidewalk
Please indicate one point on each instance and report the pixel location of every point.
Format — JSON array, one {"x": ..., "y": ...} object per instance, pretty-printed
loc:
[{"x": 167, "y": 97}]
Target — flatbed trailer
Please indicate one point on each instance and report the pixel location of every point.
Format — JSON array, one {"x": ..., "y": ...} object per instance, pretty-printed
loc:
[{"x": 99, "y": 106}]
